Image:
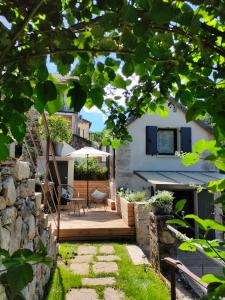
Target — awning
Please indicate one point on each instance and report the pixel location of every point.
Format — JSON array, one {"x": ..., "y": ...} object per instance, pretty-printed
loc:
[{"x": 177, "y": 180}]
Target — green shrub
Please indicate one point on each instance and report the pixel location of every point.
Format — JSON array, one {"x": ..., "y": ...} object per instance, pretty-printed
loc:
[
  {"x": 59, "y": 128},
  {"x": 95, "y": 170},
  {"x": 163, "y": 196},
  {"x": 161, "y": 202},
  {"x": 132, "y": 196}
]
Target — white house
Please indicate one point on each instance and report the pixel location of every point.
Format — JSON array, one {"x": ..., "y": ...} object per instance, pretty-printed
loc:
[{"x": 150, "y": 161}]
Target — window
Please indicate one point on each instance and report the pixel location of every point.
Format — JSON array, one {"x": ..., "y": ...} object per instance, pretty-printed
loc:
[{"x": 166, "y": 141}]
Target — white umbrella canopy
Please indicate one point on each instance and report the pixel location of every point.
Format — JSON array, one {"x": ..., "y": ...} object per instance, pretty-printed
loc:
[{"x": 88, "y": 151}]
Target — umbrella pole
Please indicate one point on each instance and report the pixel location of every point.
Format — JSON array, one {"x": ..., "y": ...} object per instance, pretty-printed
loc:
[{"x": 87, "y": 184}]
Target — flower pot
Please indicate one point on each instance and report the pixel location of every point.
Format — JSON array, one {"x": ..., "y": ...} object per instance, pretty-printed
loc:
[{"x": 58, "y": 148}]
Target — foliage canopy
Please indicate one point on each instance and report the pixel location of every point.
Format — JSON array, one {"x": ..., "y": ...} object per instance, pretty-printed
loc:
[
  {"x": 152, "y": 49},
  {"x": 174, "y": 47}
]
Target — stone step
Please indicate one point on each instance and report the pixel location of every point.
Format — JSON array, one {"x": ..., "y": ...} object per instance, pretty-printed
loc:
[
  {"x": 98, "y": 281},
  {"x": 137, "y": 255},
  {"x": 82, "y": 294}
]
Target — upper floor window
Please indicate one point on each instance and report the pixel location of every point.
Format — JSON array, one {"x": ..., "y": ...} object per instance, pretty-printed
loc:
[{"x": 166, "y": 141}]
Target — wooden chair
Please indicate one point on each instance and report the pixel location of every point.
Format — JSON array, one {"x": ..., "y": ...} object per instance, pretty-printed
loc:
[
  {"x": 72, "y": 197},
  {"x": 98, "y": 197}
]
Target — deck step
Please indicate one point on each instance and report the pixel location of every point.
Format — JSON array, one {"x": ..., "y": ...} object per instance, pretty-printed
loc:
[{"x": 97, "y": 233}]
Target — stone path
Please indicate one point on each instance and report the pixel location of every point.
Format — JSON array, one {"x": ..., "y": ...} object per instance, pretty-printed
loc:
[
  {"x": 137, "y": 255},
  {"x": 100, "y": 261}
]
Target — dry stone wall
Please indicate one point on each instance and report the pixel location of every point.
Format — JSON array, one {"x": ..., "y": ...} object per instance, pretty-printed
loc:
[
  {"x": 141, "y": 213},
  {"x": 162, "y": 241},
  {"x": 23, "y": 223}
]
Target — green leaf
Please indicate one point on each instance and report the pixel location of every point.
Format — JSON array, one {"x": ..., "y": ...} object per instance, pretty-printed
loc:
[
  {"x": 162, "y": 111},
  {"x": 206, "y": 224},
  {"x": 42, "y": 248},
  {"x": 180, "y": 205},
  {"x": 203, "y": 145},
  {"x": 22, "y": 253},
  {"x": 42, "y": 72},
  {"x": 119, "y": 82},
  {"x": 128, "y": 69},
  {"x": 216, "y": 186},
  {"x": 77, "y": 97},
  {"x": 19, "y": 276},
  {"x": 190, "y": 159},
  {"x": 96, "y": 95},
  {"x": 220, "y": 164},
  {"x": 198, "y": 220},
  {"x": 187, "y": 246},
  {"x": 141, "y": 53},
  {"x": 211, "y": 278},
  {"x": 4, "y": 253},
  {"x": 116, "y": 144},
  {"x": 46, "y": 91},
  {"x": 55, "y": 105},
  {"x": 178, "y": 222}
]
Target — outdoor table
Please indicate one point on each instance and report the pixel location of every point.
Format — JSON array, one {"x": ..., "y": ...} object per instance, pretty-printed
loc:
[{"x": 77, "y": 202}]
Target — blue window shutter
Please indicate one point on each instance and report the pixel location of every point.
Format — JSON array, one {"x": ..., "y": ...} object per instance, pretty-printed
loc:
[
  {"x": 151, "y": 140},
  {"x": 185, "y": 139}
]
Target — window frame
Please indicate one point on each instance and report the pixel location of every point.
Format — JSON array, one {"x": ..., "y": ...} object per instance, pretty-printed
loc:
[{"x": 175, "y": 138}]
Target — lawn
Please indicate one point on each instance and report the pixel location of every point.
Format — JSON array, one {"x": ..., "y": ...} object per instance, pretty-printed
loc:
[{"x": 137, "y": 282}]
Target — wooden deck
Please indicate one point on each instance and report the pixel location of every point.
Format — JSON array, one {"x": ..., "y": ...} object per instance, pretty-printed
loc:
[{"x": 94, "y": 225}]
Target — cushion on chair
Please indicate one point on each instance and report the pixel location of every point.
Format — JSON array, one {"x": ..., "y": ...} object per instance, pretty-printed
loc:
[
  {"x": 97, "y": 195},
  {"x": 66, "y": 194}
]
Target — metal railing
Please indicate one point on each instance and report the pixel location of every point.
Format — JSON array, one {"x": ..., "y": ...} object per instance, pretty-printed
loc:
[
  {"x": 46, "y": 187},
  {"x": 176, "y": 265}
]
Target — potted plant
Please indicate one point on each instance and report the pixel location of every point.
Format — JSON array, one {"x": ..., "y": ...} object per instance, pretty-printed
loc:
[
  {"x": 127, "y": 200},
  {"x": 60, "y": 131},
  {"x": 161, "y": 202}
]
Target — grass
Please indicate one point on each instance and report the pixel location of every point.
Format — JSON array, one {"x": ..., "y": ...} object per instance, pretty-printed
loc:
[{"x": 137, "y": 282}]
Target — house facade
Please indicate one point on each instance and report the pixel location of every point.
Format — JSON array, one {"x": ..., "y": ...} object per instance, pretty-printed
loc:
[{"x": 151, "y": 162}]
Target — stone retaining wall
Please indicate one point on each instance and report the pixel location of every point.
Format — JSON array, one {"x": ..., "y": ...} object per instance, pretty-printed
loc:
[
  {"x": 162, "y": 241},
  {"x": 141, "y": 213},
  {"x": 22, "y": 222}
]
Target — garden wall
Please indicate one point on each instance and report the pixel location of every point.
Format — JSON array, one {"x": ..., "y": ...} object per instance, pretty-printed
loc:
[
  {"x": 141, "y": 213},
  {"x": 81, "y": 187},
  {"x": 22, "y": 222}
]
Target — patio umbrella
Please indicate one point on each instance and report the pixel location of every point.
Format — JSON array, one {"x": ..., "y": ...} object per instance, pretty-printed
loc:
[{"x": 87, "y": 152}]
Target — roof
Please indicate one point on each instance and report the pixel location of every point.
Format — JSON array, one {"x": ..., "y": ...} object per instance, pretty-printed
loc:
[
  {"x": 82, "y": 120},
  {"x": 179, "y": 179},
  {"x": 202, "y": 124}
]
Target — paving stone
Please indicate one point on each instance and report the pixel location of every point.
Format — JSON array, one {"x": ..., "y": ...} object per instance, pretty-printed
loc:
[
  {"x": 82, "y": 259},
  {"x": 108, "y": 258},
  {"x": 98, "y": 281},
  {"x": 82, "y": 250},
  {"x": 137, "y": 255},
  {"x": 106, "y": 249},
  {"x": 80, "y": 268},
  {"x": 82, "y": 294},
  {"x": 112, "y": 294},
  {"x": 105, "y": 267}
]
